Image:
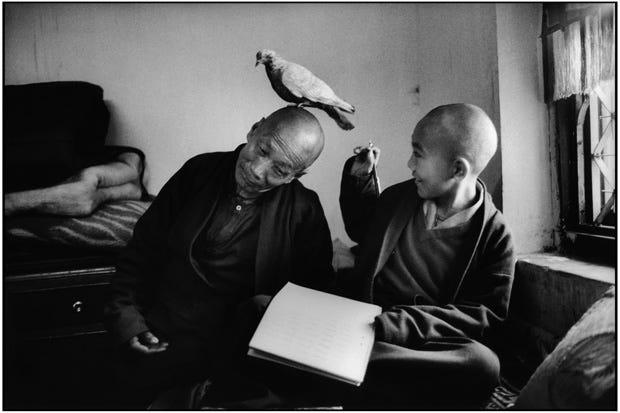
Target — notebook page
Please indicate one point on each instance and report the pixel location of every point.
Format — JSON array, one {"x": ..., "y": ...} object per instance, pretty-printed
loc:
[
  {"x": 267, "y": 356},
  {"x": 321, "y": 330}
]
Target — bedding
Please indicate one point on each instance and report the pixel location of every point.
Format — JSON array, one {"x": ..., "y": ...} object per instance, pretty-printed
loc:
[{"x": 108, "y": 227}]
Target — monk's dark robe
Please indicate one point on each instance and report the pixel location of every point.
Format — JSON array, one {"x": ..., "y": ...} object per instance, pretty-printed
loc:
[
  {"x": 172, "y": 277},
  {"x": 226, "y": 247},
  {"x": 443, "y": 294}
]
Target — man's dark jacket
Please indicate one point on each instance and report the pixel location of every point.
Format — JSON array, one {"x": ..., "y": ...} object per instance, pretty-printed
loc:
[
  {"x": 479, "y": 294},
  {"x": 159, "y": 283}
]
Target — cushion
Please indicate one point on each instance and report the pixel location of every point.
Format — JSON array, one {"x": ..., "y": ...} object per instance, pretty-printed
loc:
[
  {"x": 580, "y": 373},
  {"x": 51, "y": 130},
  {"x": 108, "y": 227}
]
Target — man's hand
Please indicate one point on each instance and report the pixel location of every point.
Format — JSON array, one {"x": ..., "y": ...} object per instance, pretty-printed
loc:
[
  {"x": 366, "y": 160},
  {"x": 147, "y": 343}
]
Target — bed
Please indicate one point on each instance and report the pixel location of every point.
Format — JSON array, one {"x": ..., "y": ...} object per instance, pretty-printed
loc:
[{"x": 57, "y": 268}]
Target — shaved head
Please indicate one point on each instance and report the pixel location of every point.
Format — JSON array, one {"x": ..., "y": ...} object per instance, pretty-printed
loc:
[
  {"x": 280, "y": 148},
  {"x": 461, "y": 130},
  {"x": 296, "y": 127}
]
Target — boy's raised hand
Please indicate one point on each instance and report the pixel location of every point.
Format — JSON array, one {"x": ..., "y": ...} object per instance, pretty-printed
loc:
[{"x": 366, "y": 160}]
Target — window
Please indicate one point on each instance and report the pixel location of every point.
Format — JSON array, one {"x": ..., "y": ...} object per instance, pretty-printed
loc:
[
  {"x": 596, "y": 142},
  {"x": 578, "y": 58}
]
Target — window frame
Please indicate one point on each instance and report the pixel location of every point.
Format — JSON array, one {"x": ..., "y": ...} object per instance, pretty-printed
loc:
[{"x": 576, "y": 238}]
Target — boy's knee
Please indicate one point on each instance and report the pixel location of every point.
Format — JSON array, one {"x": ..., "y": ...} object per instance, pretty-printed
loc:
[{"x": 483, "y": 364}]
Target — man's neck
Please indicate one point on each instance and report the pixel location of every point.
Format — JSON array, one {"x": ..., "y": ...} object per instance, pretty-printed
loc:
[
  {"x": 247, "y": 195},
  {"x": 462, "y": 198}
]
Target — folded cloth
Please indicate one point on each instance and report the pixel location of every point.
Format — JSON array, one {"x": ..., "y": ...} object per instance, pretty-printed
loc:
[
  {"x": 118, "y": 176},
  {"x": 111, "y": 152},
  {"x": 108, "y": 227}
]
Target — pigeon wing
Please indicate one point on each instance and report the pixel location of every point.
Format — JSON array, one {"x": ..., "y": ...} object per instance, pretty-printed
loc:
[{"x": 304, "y": 84}]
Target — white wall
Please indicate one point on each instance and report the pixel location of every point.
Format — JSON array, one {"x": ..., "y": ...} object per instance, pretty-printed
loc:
[
  {"x": 180, "y": 78},
  {"x": 458, "y": 63},
  {"x": 526, "y": 167}
]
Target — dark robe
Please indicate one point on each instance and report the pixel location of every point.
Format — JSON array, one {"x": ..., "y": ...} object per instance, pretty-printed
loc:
[
  {"x": 423, "y": 347},
  {"x": 158, "y": 281}
]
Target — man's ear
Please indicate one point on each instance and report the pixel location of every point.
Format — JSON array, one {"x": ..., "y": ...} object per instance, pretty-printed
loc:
[
  {"x": 462, "y": 168},
  {"x": 300, "y": 174}
]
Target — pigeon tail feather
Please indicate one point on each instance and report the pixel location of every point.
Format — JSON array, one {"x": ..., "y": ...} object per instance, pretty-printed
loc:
[{"x": 336, "y": 115}]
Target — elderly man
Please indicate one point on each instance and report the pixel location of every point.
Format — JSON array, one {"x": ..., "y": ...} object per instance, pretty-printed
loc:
[{"x": 227, "y": 230}]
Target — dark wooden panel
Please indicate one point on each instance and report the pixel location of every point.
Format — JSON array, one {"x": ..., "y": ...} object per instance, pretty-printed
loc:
[
  {"x": 72, "y": 373},
  {"x": 57, "y": 307},
  {"x": 57, "y": 355}
]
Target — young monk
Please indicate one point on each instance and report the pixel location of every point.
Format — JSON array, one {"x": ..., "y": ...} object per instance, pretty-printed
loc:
[{"x": 437, "y": 255}]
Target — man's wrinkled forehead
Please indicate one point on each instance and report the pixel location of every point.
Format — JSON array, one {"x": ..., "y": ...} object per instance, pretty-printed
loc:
[{"x": 283, "y": 142}]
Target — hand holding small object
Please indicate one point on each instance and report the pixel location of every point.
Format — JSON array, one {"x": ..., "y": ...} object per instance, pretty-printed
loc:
[
  {"x": 147, "y": 343},
  {"x": 366, "y": 160}
]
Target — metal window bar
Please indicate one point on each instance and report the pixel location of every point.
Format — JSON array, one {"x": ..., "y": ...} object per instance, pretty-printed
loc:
[
  {"x": 596, "y": 158},
  {"x": 582, "y": 181},
  {"x": 606, "y": 155}
]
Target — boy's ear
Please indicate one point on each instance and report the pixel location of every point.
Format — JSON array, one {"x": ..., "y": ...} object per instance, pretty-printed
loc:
[{"x": 462, "y": 168}]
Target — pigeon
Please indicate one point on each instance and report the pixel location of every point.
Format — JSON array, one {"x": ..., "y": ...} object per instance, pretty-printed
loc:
[{"x": 296, "y": 84}]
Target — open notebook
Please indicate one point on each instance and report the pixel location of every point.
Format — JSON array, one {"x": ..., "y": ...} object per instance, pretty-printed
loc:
[{"x": 317, "y": 332}]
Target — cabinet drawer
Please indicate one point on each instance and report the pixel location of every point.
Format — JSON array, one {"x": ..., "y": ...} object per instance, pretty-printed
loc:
[{"x": 57, "y": 307}]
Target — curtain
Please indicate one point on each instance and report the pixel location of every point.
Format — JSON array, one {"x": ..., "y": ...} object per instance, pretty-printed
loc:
[{"x": 580, "y": 47}]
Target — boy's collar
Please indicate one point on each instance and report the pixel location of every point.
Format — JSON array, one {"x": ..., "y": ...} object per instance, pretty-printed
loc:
[{"x": 433, "y": 221}]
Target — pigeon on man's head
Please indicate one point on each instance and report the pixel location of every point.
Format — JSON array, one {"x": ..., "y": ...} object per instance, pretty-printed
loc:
[{"x": 296, "y": 84}]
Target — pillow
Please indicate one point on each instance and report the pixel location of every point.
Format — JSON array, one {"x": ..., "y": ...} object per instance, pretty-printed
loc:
[
  {"x": 51, "y": 130},
  {"x": 108, "y": 227},
  {"x": 580, "y": 373}
]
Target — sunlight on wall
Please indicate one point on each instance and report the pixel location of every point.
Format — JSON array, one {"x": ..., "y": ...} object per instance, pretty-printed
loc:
[{"x": 526, "y": 168}]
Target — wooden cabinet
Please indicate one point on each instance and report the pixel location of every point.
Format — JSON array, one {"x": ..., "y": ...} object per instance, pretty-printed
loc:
[{"x": 56, "y": 351}]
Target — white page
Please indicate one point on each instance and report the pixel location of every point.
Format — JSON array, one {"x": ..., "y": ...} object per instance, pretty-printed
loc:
[{"x": 317, "y": 329}]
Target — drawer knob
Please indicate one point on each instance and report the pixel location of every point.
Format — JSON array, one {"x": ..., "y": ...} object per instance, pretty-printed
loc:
[{"x": 78, "y": 306}]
